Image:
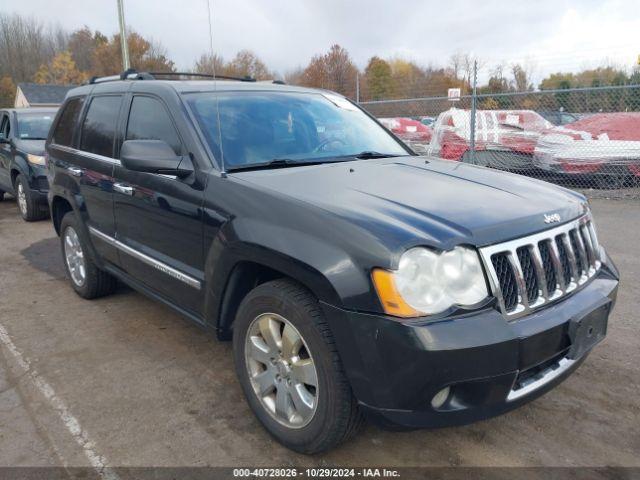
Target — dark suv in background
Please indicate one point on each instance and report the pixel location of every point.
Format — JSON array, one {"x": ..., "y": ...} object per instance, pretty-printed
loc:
[
  {"x": 22, "y": 163},
  {"x": 353, "y": 276}
]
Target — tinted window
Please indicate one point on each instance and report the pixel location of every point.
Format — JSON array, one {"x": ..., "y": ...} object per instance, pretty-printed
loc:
[
  {"x": 34, "y": 126},
  {"x": 99, "y": 127},
  {"x": 260, "y": 126},
  {"x": 5, "y": 126},
  {"x": 149, "y": 120},
  {"x": 63, "y": 133}
]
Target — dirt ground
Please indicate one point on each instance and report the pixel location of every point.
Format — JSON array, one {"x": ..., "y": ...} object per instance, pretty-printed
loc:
[{"x": 124, "y": 381}]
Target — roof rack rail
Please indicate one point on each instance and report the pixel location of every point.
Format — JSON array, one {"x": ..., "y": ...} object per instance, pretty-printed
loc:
[
  {"x": 132, "y": 74},
  {"x": 203, "y": 75}
]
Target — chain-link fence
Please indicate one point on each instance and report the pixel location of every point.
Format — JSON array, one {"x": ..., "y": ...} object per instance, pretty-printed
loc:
[{"x": 587, "y": 139}]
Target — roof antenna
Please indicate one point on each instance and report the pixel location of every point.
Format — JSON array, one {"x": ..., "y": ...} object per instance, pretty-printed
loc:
[{"x": 215, "y": 88}]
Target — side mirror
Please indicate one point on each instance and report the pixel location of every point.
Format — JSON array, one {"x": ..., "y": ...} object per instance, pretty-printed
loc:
[{"x": 154, "y": 156}]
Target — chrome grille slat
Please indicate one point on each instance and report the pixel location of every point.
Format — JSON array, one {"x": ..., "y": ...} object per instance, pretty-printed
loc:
[
  {"x": 536, "y": 258},
  {"x": 519, "y": 265},
  {"x": 586, "y": 238},
  {"x": 575, "y": 271},
  {"x": 557, "y": 264},
  {"x": 522, "y": 287}
]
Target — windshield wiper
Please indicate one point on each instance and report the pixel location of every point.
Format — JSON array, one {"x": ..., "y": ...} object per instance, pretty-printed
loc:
[
  {"x": 369, "y": 154},
  {"x": 275, "y": 163}
]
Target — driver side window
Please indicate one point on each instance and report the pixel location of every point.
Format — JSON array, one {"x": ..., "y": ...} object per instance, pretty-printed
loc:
[
  {"x": 5, "y": 126},
  {"x": 149, "y": 120}
]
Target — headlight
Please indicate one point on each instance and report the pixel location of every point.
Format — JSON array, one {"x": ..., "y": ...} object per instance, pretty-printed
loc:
[
  {"x": 35, "y": 159},
  {"x": 429, "y": 282}
]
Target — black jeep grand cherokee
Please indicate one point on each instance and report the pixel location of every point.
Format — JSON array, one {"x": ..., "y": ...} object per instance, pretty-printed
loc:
[{"x": 353, "y": 276}]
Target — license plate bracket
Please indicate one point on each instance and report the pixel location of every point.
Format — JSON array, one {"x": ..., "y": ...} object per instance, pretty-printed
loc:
[{"x": 587, "y": 330}]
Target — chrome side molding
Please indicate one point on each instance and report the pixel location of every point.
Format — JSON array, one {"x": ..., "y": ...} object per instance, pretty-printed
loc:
[{"x": 163, "y": 267}]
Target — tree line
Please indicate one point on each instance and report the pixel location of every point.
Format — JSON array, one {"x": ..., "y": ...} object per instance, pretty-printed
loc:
[{"x": 31, "y": 51}]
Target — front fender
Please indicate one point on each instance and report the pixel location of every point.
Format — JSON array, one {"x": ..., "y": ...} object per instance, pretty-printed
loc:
[{"x": 329, "y": 273}]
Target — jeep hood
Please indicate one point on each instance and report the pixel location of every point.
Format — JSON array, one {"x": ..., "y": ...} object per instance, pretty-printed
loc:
[
  {"x": 34, "y": 147},
  {"x": 413, "y": 200}
]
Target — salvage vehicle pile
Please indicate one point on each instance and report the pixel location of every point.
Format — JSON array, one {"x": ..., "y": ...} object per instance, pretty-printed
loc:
[{"x": 600, "y": 150}]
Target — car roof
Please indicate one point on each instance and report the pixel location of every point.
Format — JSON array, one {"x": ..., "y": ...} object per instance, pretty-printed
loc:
[
  {"x": 31, "y": 110},
  {"x": 188, "y": 86}
]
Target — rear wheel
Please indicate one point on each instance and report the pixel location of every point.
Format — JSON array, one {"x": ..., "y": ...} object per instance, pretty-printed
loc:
[
  {"x": 29, "y": 207},
  {"x": 86, "y": 278},
  {"x": 1, "y": 195},
  {"x": 289, "y": 368}
]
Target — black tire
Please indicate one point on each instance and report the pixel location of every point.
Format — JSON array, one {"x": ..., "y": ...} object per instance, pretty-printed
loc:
[
  {"x": 337, "y": 417},
  {"x": 31, "y": 210},
  {"x": 1, "y": 195},
  {"x": 97, "y": 283}
]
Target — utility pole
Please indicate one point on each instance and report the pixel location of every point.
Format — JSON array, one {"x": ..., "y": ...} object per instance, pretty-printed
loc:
[
  {"x": 473, "y": 112},
  {"x": 123, "y": 37},
  {"x": 357, "y": 87}
]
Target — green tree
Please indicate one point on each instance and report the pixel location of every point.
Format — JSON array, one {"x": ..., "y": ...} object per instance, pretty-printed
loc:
[{"x": 378, "y": 79}]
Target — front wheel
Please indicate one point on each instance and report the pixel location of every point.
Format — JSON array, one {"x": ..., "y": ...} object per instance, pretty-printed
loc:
[
  {"x": 30, "y": 209},
  {"x": 289, "y": 368}
]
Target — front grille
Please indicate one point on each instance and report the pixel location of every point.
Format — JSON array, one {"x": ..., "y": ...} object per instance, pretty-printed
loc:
[{"x": 532, "y": 271}]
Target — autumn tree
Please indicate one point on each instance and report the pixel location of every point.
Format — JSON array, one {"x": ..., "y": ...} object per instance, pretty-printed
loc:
[
  {"x": 82, "y": 45},
  {"x": 143, "y": 56},
  {"x": 25, "y": 44},
  {"x": 248, "y": 64},
  {"x": 521, "y": 78},
  {"x": 334, "y": 71},
  {"x": 210, "y": 64},
  {"x": 378, "y": 79},
  {"x": 61, "y": 70},
  {"x": 7, "y": 92}
]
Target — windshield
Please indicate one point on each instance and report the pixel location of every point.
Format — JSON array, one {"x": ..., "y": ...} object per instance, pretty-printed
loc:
[
  {"x": 258, "y": 127},
  {"x": 34, "y": 126}
]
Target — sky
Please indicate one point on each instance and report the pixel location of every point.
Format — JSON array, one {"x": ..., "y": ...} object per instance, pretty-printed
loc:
[{"x": 547, "y": 35}]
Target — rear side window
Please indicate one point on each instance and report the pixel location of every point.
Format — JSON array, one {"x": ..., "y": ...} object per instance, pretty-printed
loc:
[
  {"x": 149, "y": 120},
  {"x": 63, "y": 133},
  {"x": 99, "y": 126}
]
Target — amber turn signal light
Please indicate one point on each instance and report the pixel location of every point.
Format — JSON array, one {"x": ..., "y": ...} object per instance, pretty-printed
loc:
[{"x": 391, "y": 300}]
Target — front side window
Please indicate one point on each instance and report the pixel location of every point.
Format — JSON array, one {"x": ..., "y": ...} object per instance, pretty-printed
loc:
[
  {"x": 99, "y": 126},
  {"x": 5, "y": 126},
  {"x": 149, "y": 120},
  {"x": 34, "y": 126},
  {"x": 63, "y": 132},
  {"x": 257, "y": 127}
]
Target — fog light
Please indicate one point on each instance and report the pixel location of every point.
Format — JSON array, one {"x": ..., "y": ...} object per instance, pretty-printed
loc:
[{"x": 439, "y": 398}]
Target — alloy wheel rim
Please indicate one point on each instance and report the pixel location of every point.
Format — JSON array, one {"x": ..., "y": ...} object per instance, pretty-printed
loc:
[
  {"x": 281, "y": 370},
  {"x": 74, "y": 257},
  {"x": 22, "y": 199}
]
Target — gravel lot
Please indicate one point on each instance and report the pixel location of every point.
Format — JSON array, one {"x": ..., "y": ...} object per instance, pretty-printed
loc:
[{"x": 124, "y": 381}]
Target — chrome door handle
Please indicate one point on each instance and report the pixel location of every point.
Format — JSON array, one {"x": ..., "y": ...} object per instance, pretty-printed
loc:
[
  {"x": 76, "y": 172},
  {"x": 124, "y": 189}
]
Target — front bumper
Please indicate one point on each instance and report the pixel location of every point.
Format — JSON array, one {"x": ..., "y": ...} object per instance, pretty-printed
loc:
[
  {"x": 38, "y": 183},
  {"x": 491, "y": 365}
]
